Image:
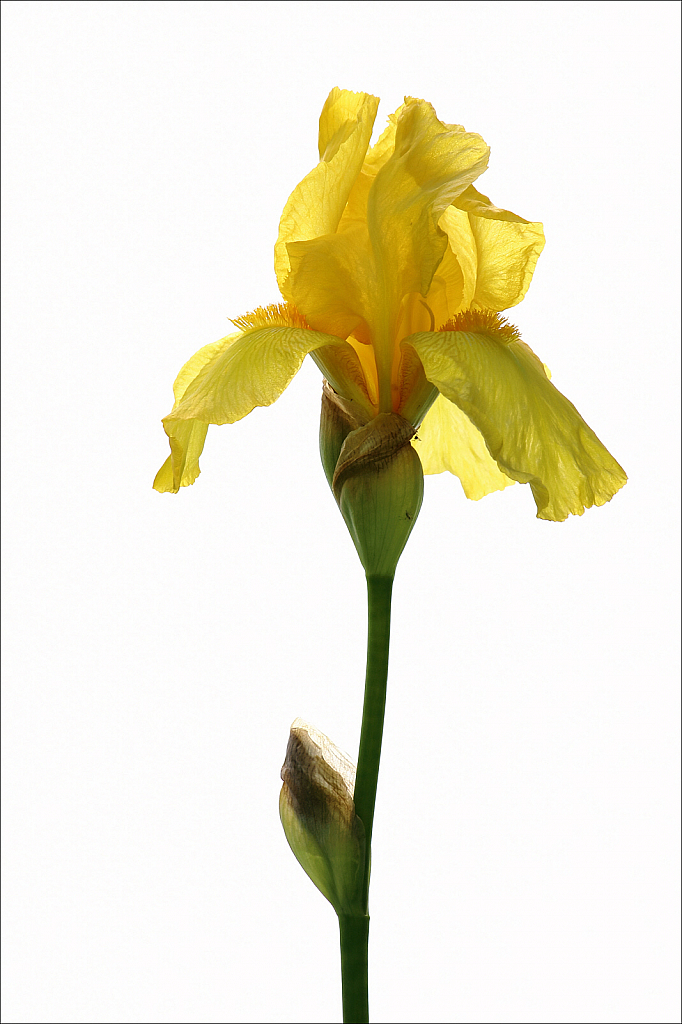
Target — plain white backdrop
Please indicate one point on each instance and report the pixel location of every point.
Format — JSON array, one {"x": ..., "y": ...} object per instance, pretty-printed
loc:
[{"x": 157, "y": 647}]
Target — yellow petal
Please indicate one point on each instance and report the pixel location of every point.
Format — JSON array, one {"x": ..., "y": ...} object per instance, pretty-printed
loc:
[
  {"x": 225, "y": 381},
  {"x": 332, "y": 282},
  {"x": 187, "y": 441},
  {"x": 315, "y": 206},
  {"x": 340, "y": 115},
  {"x": 431, "y": 165},
  {"x": 248, "y": 370},
  {"x": 532, "y": 431},
  {"x": 507, "y": 250},
  {"x": 448, "y": 441},
  {"x": 454, "y": 284},
  {"x": 377, "y": 155},
  {"x": 383, "y": 148},
  {"x": 181, "y": 468},
  {"x": 507, "y": 255},
  {"x": 474, "y": 202}
]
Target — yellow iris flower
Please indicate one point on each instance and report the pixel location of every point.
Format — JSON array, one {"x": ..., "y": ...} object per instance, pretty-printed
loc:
[{"x": 394, "y": 269}]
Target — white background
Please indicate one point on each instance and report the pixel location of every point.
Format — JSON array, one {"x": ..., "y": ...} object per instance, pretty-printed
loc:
[{"x": 157, "y": 647}]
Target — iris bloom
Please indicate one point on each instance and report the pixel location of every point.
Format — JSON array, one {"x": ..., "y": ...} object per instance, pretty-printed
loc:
[{"x": 394, "y": 270}]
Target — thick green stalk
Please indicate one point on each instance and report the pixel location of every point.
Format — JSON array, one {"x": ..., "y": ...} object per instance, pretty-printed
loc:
[
  {"x": 378, "y": 635},
  {"x": 354, "y": 937},
  {"x": 355, "y": 930}
]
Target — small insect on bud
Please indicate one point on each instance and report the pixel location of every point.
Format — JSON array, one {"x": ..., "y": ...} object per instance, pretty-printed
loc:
[{"x": 318, "y": 814}]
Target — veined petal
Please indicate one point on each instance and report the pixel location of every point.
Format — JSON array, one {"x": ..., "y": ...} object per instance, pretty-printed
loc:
[
  {"x": 332, "y": 282},
  {"x": 225, "y": 381},
  {"x": 454, "y": 284},
  {"x": 181, "y": 468},
  {"x": 474, "y": 202},
  {"x": 377, "y": 155},
  {"x": 507, "y": 250},
  {"x": 532, "y": 431},
  {"x": 340, "y": 115},
  {"x": 431, "y": 165},
  {"x": 448, "y": 441},
  {"x": 507, "y": 255},
  {"x": 250, "y": 369},
  {"x": 383, "y": 148},
  {"x": 315, "y": 206}
]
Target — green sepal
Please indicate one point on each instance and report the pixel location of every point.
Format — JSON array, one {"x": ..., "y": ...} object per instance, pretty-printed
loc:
[{"x": 376, "y": 477}]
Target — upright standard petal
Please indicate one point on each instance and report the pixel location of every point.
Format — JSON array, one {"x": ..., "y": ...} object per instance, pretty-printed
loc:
[
  {"x": 332, "y": 282},
  {"x": 507, "y": 255},
  {"x": 432, "y": 163},
  {"x": 315, "y": 206},
  {"x": 454, "y": 284},
  {"x": 225, "y": 381},
  {"x": 532, "y": 431},
  {"x": 507, "y": 250}
]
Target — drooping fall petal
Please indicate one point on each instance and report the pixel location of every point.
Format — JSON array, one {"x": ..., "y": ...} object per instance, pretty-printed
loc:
[
  {"x": 447, "y": 441},
  {"x": 181, "y": 468},
  {"x": 533, "y": 432},
  {"x": 225, "y": 381}
]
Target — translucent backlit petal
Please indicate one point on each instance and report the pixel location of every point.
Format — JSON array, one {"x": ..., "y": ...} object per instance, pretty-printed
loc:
[
  {"x": 532, "y": 431},
  {"x": 315, "y": 206},
  {"x": 449, "y": 442},
  {"x": 332, "y": 282},
  {"x": 225, "y": 381},
  {"x": 250, "y": 369},
  {"x": 495, "y": 253},
  {"x": 454, "y": 284},
  {"x": 377, "y": 155},
  {"x": 431, "y": 165},
  {"x": 181, "y": 468},
  {"x": 474, "y": 202},
  {"x": 343, "y": 110},
  {"x": 507, "y": 254},
  {"x": 383, "y": 148}
]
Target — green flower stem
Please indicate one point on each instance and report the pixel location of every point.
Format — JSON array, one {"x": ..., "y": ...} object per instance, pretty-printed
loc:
[
  {"x": 355, "y": 930},
  {"x": 354, "y": 938},
  {"x": 378, "y": 635}
]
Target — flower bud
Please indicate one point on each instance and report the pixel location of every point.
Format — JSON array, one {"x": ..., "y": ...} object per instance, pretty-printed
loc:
[
  {"x": 376, "y": 477},
  {"x": 318, "y": 815}
]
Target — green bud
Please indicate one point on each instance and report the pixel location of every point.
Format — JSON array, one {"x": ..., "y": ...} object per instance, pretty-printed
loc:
[
  {"x": 318, "y": 815},
  {"x": 376, "y": 477}
]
